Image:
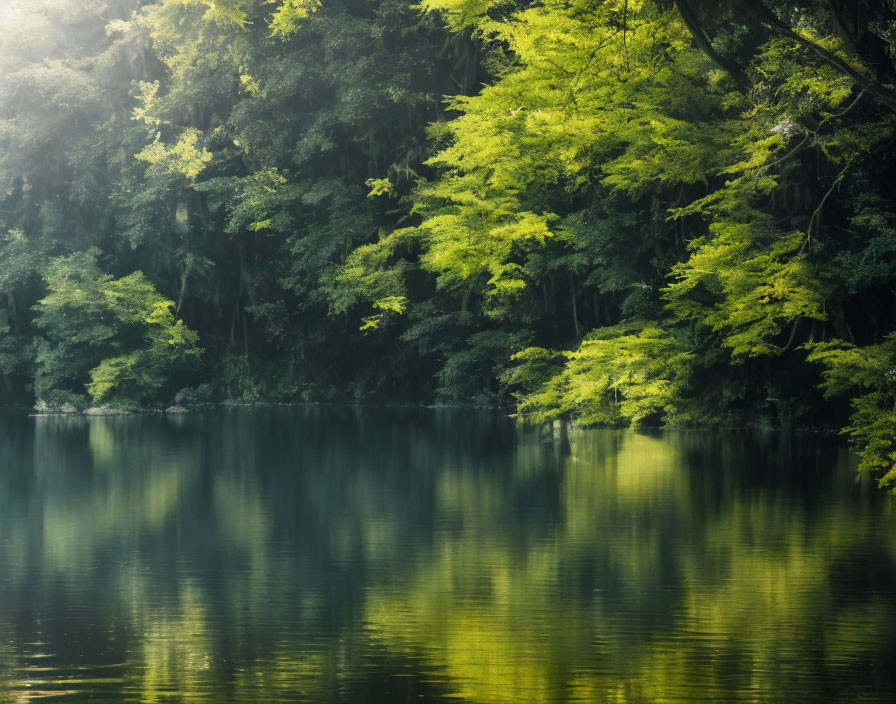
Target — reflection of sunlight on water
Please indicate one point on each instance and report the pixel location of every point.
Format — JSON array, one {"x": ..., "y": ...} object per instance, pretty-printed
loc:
[
  {"x": 486, "y": 616},
  {"x": 103, "y": 447},
  {"x": 281, "y": 676},
  {"x": 646, "y": 467},
  {"x": 29, "y": 674},
  {"x": 175, "y": 653}
]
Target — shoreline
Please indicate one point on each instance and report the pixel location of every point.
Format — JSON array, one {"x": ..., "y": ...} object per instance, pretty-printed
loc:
[
  {"x": 545, "y": 426},
  {"x": 176, "y": 409}
]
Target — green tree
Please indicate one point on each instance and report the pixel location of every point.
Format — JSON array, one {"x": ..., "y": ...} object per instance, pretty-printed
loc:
[
  {"x": 868, "y": 375},
  {"x": 115, "y": 338}
]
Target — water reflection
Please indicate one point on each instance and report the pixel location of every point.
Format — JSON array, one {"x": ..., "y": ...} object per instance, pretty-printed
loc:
[{"x": 330, "y": 555}]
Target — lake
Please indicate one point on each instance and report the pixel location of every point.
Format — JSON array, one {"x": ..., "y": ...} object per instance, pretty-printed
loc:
[{"x": 392, "y": 555}]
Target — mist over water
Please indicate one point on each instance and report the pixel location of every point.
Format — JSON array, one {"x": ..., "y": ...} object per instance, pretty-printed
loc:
[{"x": 344, "y": 555}]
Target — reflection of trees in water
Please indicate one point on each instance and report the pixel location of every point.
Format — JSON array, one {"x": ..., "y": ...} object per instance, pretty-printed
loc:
[
  {"x": 315, "y": 550},
  {"x": 659, "y": 601}
]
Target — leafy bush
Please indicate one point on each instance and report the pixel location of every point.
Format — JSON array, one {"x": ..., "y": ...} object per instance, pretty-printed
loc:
[
  {"x": 117, "y": 339},
  {"x": 622, "y": 374},
  {"x": 868, "y": 373}
]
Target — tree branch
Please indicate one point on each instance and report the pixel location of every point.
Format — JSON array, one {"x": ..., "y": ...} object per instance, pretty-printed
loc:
[
  {"x": 840, "y": 28},
  {"x": 883, "y": 94},
  {"x": 704, "y": 43}
]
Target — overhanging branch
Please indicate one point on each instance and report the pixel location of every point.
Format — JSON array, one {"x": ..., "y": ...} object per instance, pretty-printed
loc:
[{"x": 704, "y": 43}]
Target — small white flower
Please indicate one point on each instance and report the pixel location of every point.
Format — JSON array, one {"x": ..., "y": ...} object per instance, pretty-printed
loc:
[{"x": 786, "y": 128}]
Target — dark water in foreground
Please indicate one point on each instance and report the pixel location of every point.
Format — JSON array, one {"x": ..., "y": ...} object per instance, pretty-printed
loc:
[{"x": 394, "y": 556}]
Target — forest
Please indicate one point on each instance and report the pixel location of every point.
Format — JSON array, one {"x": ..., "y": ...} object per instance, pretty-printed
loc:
[{"x": 616, "y": 212}]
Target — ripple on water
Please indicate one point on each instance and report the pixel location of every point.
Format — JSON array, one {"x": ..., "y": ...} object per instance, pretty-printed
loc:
[{"x": 331, "y": 556}]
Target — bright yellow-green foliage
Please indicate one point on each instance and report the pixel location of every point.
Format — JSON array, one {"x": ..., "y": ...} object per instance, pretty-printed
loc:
[
  {"x": 613, "y": 100},
  {"x": 379, "y": 187},
  {"x": 636, "y": 110},
  {"x": 581, "y": 101},
  {"x": 613, "y": 95},
  {"x": 287, "y": 18},
  {"x": 113, "y": 373},
  {"x": 584, "y": 99},
  {"x": 221, "y": 12},
  {"x": 121, "y": 333},
  {"x": 197, "y": 39},
  {"x": 760, "y": 278},
  {"x": 138, "y": 374},
  {"x": 459, "y": 13},
  {"x": 871, "y": 372},
  {"x": 752, "y": 279},
  {"x": 564, "y": 113},
  {"x": 393, "y": 304},
  {"x": 621, "y": 374},
  {"x": 368, "y": 276},
  {"x": 760, "y": 284},
  {"x": 148, "y": 94},
  {"x": 183, "y": 158}
]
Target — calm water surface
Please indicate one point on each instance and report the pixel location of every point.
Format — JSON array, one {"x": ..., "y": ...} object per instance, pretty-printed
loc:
[{"x": 404, "y": 556}]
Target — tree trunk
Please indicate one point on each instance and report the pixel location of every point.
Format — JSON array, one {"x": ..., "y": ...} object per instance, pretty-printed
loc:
[
  {"x": 704, "y": 43},
  {"x": 575, "y": 310}
]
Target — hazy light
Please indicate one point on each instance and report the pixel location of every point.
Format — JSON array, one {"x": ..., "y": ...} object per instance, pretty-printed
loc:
[{"x": 7, "y": 13}]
